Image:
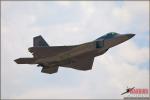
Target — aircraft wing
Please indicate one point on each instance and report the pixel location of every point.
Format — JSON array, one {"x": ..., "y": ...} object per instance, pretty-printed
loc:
[
  {"x": 83, "y": 62},
  {"x": 50, "y": 69}
]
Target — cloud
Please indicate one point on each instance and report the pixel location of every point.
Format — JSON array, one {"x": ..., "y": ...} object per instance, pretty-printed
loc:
[
  {"x": 132, "y": 53},
  {"x": 133, "y": 13},
  {"x": 69, "y": 23}
]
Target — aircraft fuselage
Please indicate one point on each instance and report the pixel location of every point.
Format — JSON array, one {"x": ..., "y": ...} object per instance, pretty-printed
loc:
[{"x": 78, "y": 56}]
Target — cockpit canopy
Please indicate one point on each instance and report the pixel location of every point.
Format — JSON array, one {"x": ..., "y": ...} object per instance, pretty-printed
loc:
[{"x": 108, "y": 35}]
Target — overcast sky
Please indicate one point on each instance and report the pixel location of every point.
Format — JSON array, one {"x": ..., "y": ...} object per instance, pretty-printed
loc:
[{"x": 71, "y": 23}]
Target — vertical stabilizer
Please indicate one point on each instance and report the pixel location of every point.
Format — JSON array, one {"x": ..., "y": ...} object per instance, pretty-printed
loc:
[{"x": 38, "y": 41}]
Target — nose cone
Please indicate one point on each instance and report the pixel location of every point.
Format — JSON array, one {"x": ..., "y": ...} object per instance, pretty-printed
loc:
[
  {"x": 119, "y": 39},
  {"x": 130, "y": 35}
]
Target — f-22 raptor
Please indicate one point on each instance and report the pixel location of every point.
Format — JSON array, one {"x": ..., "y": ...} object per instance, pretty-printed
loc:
[{"x": 78, "y": 57}]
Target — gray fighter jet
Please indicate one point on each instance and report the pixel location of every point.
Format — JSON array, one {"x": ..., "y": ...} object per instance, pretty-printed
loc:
[{"x": 79, "y": 57}]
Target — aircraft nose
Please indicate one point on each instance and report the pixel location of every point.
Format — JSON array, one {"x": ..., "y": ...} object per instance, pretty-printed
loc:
[{"x": 130, "y": 35}]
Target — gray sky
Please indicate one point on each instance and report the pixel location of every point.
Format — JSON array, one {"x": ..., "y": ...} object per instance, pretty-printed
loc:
[{"x": 70, "y": 23}]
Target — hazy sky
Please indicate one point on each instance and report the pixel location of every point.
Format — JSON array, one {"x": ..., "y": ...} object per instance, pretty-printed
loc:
[{"x": 70, "y": 23}]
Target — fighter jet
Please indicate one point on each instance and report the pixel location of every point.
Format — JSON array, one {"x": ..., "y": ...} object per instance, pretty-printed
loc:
[
  {"x": 79, "y": 57},
  {"x": 128, "y": 90}
]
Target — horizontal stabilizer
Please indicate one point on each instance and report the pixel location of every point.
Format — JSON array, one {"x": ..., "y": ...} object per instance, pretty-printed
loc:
[{"x": 25, "y": 61}]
